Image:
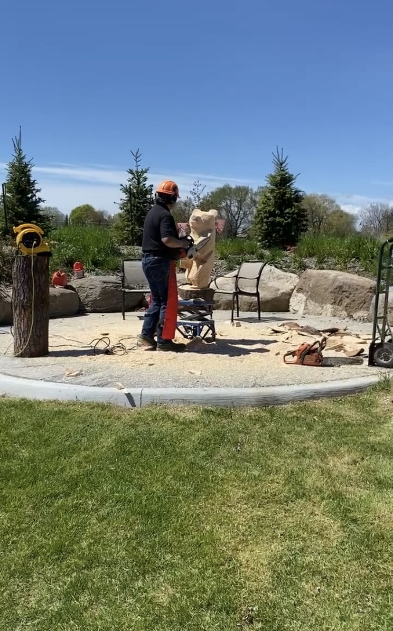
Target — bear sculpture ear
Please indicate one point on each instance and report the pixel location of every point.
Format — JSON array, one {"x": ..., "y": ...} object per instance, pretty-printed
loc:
[{"x": 213, "y": 212}]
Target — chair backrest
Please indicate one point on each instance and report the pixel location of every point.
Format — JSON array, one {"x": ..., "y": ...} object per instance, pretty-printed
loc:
[
  {"x": 133, "y": 276},
  {"x": 249, "y": 275}
]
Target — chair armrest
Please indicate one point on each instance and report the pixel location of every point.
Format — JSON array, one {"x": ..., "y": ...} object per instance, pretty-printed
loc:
[{"x": 214, "y": 280}]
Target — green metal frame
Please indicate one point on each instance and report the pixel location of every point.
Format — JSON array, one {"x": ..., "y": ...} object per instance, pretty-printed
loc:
[{"x": 382, "y": 331}]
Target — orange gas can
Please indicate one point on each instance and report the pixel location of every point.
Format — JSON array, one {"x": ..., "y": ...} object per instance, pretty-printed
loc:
[
  {"x": 59, "y": 279},
  {"x": 79, "y": 270}
]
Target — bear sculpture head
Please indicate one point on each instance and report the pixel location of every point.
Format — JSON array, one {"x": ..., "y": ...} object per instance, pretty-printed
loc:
[{"x": 202, "y": 223}]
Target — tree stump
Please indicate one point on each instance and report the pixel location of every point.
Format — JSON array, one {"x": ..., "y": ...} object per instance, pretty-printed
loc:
[
  {"x": 30, "y": 301},
  {"x": 187, "y": 292}
]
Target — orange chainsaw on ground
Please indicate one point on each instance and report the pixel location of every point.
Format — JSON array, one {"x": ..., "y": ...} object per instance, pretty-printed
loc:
[{"x": 307, "y": 354}]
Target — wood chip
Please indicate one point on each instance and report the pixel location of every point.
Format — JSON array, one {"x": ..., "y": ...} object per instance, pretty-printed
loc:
[
  {"x": 310, "y": 330},
  {"x": 307, "y": 333},
  {"x": 70, "y": 373},
  {"x": 341, "y": 333},
  {"x": 350, "y": 340},
  {"x": 354, "y": 351},
  {"x": 338, "y": 346}
]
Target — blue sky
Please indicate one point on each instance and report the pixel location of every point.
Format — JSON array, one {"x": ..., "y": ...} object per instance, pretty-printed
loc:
[{"x": 205, "y": 89}]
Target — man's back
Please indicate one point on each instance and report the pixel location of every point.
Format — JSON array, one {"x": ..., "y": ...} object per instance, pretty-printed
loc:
[{"x": 158, "y": 224}]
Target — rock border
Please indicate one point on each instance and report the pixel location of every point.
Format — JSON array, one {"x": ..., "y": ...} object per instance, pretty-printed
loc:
[{"x": 222, "y": 397}]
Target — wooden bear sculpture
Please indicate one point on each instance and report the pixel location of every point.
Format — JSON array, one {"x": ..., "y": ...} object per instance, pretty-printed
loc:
[{"x": 199, "y": 269}]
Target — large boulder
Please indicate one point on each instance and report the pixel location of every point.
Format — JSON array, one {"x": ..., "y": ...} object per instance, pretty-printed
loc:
[
  {"x": 102, "y": 294},
  {"x": 5, "y": 307},
  {"x": 381, "y": 306},
  {"x": 63, "y": 302},
  {"x": 333, "y": 293},
  {"x": 275, "y": 289}
]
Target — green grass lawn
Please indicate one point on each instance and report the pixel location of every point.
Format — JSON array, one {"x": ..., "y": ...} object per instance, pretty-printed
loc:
[{"x": 197, "y": 519}]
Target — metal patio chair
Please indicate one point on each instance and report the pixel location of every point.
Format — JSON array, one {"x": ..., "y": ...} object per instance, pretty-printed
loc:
[
  {"x": 248, "y": 271},
  {"x": 133, "y": 280}
]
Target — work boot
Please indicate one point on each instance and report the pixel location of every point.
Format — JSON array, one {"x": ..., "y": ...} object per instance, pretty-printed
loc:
[
  {"x": 171, "y": 346},
  {"x": 145, "y": 340}
]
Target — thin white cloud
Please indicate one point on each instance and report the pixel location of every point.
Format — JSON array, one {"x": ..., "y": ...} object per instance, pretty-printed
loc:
[
  {"x": 355, "y": 203},
  {"x": 65, "y": 196},
  {"x": 350, "y": 208},
  {"x": 382, "y": 183},
  {"x": 67, "y": 185},
  {"x": 115, "y": 175}
]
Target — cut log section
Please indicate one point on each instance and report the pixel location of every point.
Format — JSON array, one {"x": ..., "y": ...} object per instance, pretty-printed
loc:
[{"x": 30, "y": 301}]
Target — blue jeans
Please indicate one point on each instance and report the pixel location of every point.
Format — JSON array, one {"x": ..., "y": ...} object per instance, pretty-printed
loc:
[{"x": 156, "y": 270}]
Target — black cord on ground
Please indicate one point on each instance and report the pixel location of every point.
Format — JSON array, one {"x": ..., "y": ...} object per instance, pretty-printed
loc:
[{"x": 100, "y": 344}]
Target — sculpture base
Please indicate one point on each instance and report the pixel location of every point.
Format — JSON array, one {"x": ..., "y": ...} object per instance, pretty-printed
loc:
[{"x": 187, "y": 292}]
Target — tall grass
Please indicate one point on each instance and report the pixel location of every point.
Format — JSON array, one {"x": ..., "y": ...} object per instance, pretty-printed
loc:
[
  {"x": 6, "y": 260},
  {"x": 236, "y": 247},
  {"x": 234, "y": 251},
  {"x": 343, "y": 251},
  {"x": 94, "y": 246},
  {"x": 97, "y": 249}
]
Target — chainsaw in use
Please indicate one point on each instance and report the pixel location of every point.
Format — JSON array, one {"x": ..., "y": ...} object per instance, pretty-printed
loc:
[{"x": 194, "y": 248}]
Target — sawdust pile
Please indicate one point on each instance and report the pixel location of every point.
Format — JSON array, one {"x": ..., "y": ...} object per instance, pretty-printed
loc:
[
  {"x": 249, "y": 344},
  {"x": 341, "y": 341}
]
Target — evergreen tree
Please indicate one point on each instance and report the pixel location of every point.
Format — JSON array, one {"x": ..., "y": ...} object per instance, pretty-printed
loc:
[
  {"x": 280, "y": 219},
  {"x": 136, "y": 201},
  {"x": 23, "y": 200}
]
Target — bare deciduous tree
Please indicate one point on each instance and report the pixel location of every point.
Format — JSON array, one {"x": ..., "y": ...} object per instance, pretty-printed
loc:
[
  {"x": 325, "y": 216},
  {"x": 319, "y": 208},
  {"x": 197, "y": 194},
  {"x": 377, "y": 219},
  {"x": 236, "y": 204}
]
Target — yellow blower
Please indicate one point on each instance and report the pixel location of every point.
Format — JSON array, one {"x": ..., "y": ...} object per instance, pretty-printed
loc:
[{"x": 29, "y": 240}]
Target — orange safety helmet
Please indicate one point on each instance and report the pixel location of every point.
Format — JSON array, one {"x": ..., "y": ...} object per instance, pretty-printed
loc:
[{"x": 170, "y": 189}]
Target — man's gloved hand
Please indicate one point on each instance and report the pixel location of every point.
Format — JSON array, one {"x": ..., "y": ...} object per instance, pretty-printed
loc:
[{"x": 187, "y": 242}]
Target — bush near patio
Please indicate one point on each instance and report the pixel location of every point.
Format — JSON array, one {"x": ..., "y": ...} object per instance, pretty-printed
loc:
[
  {"x": 276, "y": 519},
  {"x": 6, "y": 259},
  {"x": 94, "y": 246},
  {"x": 97, "y": 248}
]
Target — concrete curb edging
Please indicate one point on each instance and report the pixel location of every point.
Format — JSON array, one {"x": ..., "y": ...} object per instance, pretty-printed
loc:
[
  {"x": 223, "y": 397},
  {"x": 19, "y": 387}
]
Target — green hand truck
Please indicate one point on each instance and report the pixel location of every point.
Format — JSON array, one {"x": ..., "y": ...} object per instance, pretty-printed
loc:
[{"x": 381, "y": 347}]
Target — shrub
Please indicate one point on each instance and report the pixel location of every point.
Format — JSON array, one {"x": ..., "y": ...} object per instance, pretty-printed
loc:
[
  {"x": 343, "y": 251},
  {"x": 94, "y": 246},
  {"x": 234, "y": 251},
  {"x": 6, "y": 260}
]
